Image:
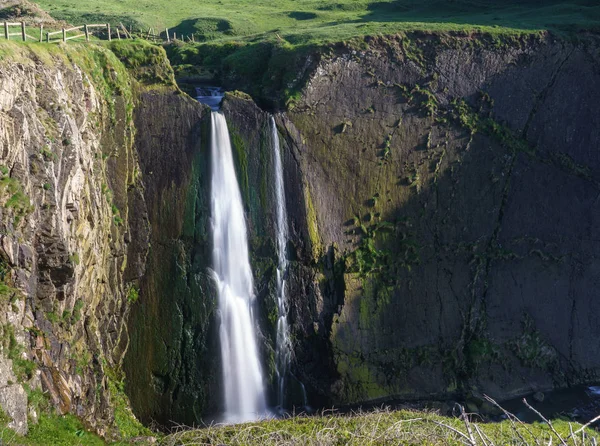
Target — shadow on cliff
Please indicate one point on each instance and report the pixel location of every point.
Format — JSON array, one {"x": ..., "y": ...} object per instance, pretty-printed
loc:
[{"x": 484, "y": 303}]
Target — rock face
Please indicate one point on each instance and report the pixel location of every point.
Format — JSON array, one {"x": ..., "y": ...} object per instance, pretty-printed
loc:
[
  {"x": 442, "y": 204},
  {"x": 173, "y": 364},
  {"x": 446, "y": 212},
  {"x": 73, "y": 224}
]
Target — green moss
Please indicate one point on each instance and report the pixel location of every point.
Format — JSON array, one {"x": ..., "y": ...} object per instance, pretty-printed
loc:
[
  {"x": 126, "y": 423},
  {"x": 82, "y": 362},
  {"x": 241, "y": 163},
  {"x": 37, "y": 399},
  {"x": 476, "y": 122},
  {"x": 74, "y": 258},
  {"x": 76, "y": 314},
  {"x": 239, "y": 94},
  {"x": 479, "y": 351},
  {"x": 147, "y": 63},
  {"x": 14, "y": 198},
  {"x": 133, "y": 294},
  {"x": 532, "y": 350},
  {"x": 52, "y": 317},
  {"x": 313, "y": 227},
  {"x": 566, "y": 163},
  {"x": 22, "y": 368},
  {"x": 4, "y": 419},
  {"x": 8, "y": 293},
  {"x": 48, "y": 155}
]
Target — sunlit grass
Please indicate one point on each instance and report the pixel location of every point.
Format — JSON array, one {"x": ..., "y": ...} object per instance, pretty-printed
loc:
[{"x": 303, "y": 21}]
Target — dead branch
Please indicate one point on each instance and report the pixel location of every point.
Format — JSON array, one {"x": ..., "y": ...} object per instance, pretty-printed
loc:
[
  {"x": 545, "y": 421},
  {"x": 586, "y": 425}
]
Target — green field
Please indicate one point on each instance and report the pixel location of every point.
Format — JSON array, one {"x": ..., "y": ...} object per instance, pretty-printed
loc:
[{"x": 311, "y": 21}]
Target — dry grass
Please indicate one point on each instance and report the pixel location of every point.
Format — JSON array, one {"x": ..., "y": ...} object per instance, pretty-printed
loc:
[{"x": 386, "y": 426}]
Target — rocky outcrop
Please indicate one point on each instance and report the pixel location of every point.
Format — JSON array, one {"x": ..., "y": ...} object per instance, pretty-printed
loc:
[
  {"x": 74, "y": 228},
  {"x": 449, "y": 211}
]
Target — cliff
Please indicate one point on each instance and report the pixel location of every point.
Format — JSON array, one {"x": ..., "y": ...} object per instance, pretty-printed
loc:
[
  {"x": 450, "y": 189},
  {"x": 441, "y": 193},
  {"x": 74, "y": 222}
]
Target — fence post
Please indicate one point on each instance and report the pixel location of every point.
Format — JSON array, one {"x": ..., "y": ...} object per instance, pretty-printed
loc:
[
  {"x": 118, "y": 33},
  {"x": 6, "y": 30},
  {"x": 48, "y": 37},
  {"x": 167, "y": 30},
  {"x": 23, "y": 32},
  {"x": 108, "y": 28},
  {"x": 64, "y": 35},
  {"x": 87, "y": 33},
  {"x": 41, "y": 33}
]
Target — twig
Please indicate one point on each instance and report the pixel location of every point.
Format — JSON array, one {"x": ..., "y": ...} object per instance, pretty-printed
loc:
[
  {"x": 452, "y": 429},
  {"x": 465, "y": 419},
  {"x": 512, "y": 418},
  {"x": 546, "y": 421},
  {"x": 582, "y": 428},
  {"x": 482, "y": 436}
]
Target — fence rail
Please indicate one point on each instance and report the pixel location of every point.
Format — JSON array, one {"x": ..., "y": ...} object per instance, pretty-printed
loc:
[{"x": 86, "y": 31}]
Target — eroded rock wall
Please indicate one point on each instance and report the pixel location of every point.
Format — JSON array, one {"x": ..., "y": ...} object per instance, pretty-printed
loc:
[
  {"x": 448, "y": 201},
  {"x": 173, "y": 365},
  {"x": 74, "y": 221},
  {"x": 68, "y": 184}
]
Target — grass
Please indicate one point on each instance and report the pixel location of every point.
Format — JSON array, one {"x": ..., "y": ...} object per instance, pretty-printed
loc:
[
  {"x": 56, "y": 430},
  {"x": 59, "y": 431},
  {"x": 315, "y": 21},
  {"x": 382, "y": 427}
]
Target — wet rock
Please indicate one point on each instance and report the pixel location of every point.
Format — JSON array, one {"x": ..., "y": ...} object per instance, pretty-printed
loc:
[
  {"x": 490, "y": 410},
  {"x": 472, "y": 406},
  {"x": 538, "y": 397}
]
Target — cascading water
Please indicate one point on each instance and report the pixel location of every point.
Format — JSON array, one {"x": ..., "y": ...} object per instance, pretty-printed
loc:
[
  {"x": 210, "y": 96},
  {"x": 283, "y": 347},
  {"x": 242, "y": 375}
]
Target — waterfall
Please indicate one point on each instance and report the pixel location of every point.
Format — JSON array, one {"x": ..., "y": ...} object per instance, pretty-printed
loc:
[
  {"x": 242, "y": 375},
  {"x": 283, "y": 347}
]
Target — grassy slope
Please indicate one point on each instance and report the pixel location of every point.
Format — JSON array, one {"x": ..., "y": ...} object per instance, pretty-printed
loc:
[
  {"x": 315, "y": 21},
  {"x": 377, "y": 428}
]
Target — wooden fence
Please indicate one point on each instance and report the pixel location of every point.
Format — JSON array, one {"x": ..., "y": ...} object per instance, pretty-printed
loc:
[
  {"x": 22, "y": 32},
  {"x": 85, "y": 31}
]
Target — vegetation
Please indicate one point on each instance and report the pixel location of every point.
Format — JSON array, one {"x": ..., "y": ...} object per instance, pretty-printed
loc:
[
  {"x": 22, "y": 368},
  {"x": 133, "y": 294},
  {"x": 56, "y": 430},
  {"x": 127, "y": 424},
  {"x": 383, "y": 427},
  {"x": 13, "y": 197},
  {"x": 309, "y": 21}
]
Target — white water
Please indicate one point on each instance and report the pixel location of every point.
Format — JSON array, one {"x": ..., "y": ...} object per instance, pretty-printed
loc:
[
  {"x": 283, "y": 346},
  {"x": 210, "y": 96},
  {"x": 242, "y": 376}
]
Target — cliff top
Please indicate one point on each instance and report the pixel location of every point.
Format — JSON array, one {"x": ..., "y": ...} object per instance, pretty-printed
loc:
[{"x": 310, "y": 21}]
